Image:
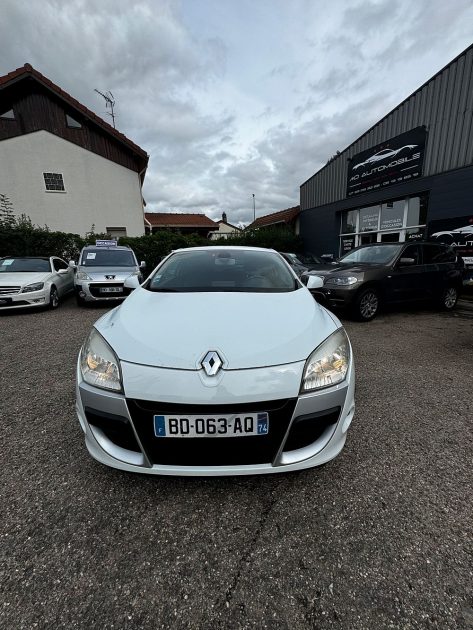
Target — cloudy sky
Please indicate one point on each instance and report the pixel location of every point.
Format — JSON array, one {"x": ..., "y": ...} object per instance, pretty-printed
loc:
[{"x": 236, "y": 97}]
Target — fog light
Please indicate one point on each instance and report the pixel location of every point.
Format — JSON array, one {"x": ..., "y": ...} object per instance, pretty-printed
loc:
[
  {"x": 38, "y": 300},
  {"x": 82, "y": 294}
]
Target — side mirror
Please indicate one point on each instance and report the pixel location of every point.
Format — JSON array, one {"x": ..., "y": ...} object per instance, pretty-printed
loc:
[
  {"x": 61, "y": 272},
  {"x": 407, "y": 262},
  {"x": 315, "y": 282},
  {"x": 142, "y": 265},
  {"x": 131, "y": 282},
  {"x": 72, "y": 264}
]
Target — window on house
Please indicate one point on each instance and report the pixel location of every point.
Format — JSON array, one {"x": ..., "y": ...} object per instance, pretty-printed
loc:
[
  {"x": 54, "y": 181},
  {"x": 71, "y": 122},
  {"x": 116, "y": 232},
  {"x": 8, "y": 115}
]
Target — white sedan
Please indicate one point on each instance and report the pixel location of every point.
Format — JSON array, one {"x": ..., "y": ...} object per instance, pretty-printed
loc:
[
  {"x": 34, "y": 281},
  {"x": 220, "y": 363}
]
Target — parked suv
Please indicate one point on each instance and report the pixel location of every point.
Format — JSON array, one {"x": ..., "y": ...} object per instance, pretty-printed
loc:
[
  {"x": 102, "y": 271},
  {"x": 371, "y": 275}
]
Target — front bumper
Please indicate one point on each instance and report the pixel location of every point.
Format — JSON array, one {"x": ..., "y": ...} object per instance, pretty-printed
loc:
[
  {"x": 336, "y": 297},
  {"x": 308, "y": 430},
  {"x": 92, "y": 291},
  {"x": 24, "y": 300}
]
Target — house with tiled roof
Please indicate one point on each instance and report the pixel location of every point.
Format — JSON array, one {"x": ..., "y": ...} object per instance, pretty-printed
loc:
[
  {"x": 225, "y": 229},
  {"x": 62, "y": 165},
  {"x": 184, "y": 223},
  {"x": 288, "y": 218}
]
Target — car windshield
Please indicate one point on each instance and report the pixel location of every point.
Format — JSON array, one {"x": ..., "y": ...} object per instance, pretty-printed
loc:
[
  {"x": 228, "y": 270},
  {"x": 376, "y": 254},
  {"x": 310, "y": 259},
  {"x": 107, "y": 258},
  {"x": 24, "y": 265}
]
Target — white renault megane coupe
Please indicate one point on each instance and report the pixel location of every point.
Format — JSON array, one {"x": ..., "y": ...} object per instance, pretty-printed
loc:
[{"x": 220, "y": 363}]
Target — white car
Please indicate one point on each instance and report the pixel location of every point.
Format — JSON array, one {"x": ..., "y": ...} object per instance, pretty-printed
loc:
[
  {"x": 220, "y": 363},
  {"x": 34, "y": 281}
]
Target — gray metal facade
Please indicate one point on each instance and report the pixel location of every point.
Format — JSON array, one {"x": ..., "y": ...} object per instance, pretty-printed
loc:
[{"x": 444, "y": 105}]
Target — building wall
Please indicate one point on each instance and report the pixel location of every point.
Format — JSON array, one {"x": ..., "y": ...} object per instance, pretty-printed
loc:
[
  {"x": 97, "y": 191},
  {"x": 224, "y": 231},
  {"x": 444, "y": 105},
  {"x": 450, "y": 196}
]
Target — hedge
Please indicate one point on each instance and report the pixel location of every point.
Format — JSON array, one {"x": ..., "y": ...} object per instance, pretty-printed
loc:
[{"x": 22, "y": 238}]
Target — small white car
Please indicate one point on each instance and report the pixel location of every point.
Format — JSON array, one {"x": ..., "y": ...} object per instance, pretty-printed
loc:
[
  {"x": 34, "y": 281},
  {"x": 220, "y": 363}
]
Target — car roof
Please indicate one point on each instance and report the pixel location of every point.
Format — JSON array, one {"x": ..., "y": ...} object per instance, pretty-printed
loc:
[
  {"x": 114, "y": 247},
  {"x": 230, "y": 248}
]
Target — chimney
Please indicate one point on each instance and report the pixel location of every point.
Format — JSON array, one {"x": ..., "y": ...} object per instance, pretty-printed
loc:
[{"x": 224, "y": 217}]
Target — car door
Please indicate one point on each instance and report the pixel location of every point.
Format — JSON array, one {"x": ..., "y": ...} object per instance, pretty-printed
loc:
[
  {"x": 405, "y": 281},
  {"x": 63, "y": 276}
]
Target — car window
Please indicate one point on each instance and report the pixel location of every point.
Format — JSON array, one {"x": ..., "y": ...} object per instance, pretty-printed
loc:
[
  {"x": 107, "y": 258},
  {"x": 413, "y": 251},
  {"x": 436, "y": 254},
  {"x": 373, "y": 254},
  {"x": 9, "y": 265},
  {"x": 59, "y": 264},
  {"x": 223, "y": 270}
]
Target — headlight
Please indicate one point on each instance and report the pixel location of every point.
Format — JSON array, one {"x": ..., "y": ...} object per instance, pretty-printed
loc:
[
  {"x": 328, "y": 364},
  {"x": 37, "y": 286},
  {"x": 342, "y": 281},
  {"x": 99, "y": 364},
  {"x": 81, "y": 275},
  {"x": 136, "y": 273}
]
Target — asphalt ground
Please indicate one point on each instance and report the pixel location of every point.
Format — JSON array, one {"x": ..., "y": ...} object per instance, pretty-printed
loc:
[{"x": 381, "y": 537}]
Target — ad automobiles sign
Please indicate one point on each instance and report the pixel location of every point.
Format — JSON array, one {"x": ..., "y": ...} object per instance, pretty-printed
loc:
[{"x": 397, "y": 160}]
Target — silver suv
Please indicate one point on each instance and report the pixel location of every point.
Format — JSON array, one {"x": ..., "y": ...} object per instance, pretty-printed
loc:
[{"x": 102, "y": 271}]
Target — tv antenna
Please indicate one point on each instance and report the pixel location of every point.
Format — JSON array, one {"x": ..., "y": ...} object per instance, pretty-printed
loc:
[{"x": 109, "y": 102}]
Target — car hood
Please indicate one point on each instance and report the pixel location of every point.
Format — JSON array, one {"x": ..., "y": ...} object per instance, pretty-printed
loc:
[
  {"x": 325, "y": 270},
  {"x": 248, "y": 330},
  {"x": 100, "y": 273},
  {"x": 20, "y": 278}
]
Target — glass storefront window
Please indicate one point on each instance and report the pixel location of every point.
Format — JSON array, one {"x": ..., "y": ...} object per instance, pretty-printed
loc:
[
  {"x": 369, "y": 218},
  {"x": 349, "y": 221},
  {"x": 392, "y": 215},
  {"x": 415, "y": 234},
  {"x": 417, "y": 210}
]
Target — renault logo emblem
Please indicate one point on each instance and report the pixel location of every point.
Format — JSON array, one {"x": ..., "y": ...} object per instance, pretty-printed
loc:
[
  {"x": 110, "y": 277},
  {"x": 211, "y": 363}
]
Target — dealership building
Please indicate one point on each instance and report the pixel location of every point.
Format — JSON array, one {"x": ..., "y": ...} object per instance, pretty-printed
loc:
[{"x": 408, "y": 177}]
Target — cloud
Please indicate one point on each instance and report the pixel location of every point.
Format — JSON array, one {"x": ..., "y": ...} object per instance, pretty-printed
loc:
[{"x": 228, "y": 106}]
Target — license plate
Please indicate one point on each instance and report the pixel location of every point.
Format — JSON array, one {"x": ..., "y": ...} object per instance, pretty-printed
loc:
[
  {"x": 236, "y": 425},
  {"x": 111, "y": 290},
  {"x": 5, "y": 301}
]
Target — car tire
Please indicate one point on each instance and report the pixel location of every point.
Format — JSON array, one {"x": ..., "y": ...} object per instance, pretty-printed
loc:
[
  {"x": 53, "y": 298},
  {"x": 80, "y": 301},
  {"x": 449, "y": 299},
  {"x": 366, "y": 305}
]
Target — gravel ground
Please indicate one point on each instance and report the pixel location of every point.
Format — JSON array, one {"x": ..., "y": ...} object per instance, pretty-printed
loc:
[{"x": 379, "y": 538}]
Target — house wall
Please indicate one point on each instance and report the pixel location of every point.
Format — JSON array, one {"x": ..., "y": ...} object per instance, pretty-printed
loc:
[
  {"x": 224, "y": 231},
  {"x": 97, "y": 191}
]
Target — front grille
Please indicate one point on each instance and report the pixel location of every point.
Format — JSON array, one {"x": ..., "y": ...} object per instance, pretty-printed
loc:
[
  {"x": 307, "y": 429},
  {"x": 9, "y": 290},
  {"x": 96, "y": 292},
  {"x": 261, "y": 449},
  {"x": 116, "y": 428}
]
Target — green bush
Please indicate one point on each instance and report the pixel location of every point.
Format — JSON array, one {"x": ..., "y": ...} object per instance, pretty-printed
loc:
[{"x": 22, "y": 238}]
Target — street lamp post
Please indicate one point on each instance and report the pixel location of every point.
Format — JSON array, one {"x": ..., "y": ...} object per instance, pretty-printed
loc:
[{"x": 254, "y": 208}]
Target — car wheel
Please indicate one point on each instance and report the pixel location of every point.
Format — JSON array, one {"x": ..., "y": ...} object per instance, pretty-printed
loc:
[
  {"x": 80, "y": 301},
  {"x": 449, "y": 299},
  {"x": 366, "y": 305},
  {"x": 53, "y": 298}
]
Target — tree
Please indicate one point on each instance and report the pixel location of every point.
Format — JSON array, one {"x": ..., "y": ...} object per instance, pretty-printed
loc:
[{"x": 7, "y": 217}]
